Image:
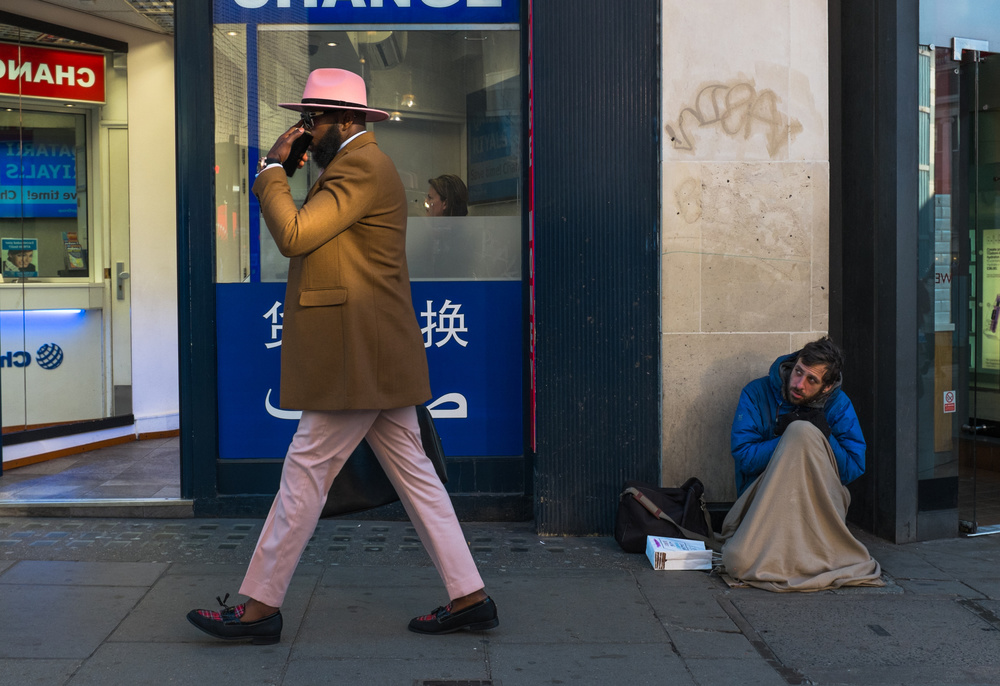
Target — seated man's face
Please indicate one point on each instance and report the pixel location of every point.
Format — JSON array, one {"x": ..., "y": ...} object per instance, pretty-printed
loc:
[{"x": 805, "y": 383}]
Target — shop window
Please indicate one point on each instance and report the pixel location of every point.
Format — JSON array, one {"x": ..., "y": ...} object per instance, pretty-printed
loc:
[
  {"x": 454, "y": 95},
  {"x": 455, "y": 105},
  {"x": 43, "y": 195},
  {"x": 65, "y": 359}
]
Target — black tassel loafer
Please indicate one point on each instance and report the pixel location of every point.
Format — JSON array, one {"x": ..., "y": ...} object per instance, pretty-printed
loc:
[
  {"x": 478, "y": 617},
  {"x": 227, "y": 625}
]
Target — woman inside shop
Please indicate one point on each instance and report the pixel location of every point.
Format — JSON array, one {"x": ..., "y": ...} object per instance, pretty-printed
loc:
[{"x": 447, "y": 196}]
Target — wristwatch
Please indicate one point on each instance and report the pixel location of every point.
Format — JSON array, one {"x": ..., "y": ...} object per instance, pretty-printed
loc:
[{"x": 264, "y": 161}]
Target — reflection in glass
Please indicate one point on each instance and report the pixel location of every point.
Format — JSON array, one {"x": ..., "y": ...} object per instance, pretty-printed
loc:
[
  {"x": 958, "y": 291},
  {"x": 456, "y": 97},
  {"x": 941, "y": 274},
  {"x": 43, "y": 195}
]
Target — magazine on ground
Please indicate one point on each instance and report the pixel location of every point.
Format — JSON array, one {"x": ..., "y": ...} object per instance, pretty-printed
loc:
[{"x": 677, "y": 553}]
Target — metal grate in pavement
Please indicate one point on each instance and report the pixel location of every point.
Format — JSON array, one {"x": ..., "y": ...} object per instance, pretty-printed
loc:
[{"x": 336, "y": 541}]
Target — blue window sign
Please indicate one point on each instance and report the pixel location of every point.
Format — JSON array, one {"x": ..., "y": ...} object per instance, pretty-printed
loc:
[
  {"x": 367, "y": 11},
  {"x": 472, "y": 336},
  {"x": 37, "y": 173}
]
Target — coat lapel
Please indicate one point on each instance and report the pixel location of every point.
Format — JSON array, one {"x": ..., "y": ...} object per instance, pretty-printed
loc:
[{"x": 363, "y": 139}]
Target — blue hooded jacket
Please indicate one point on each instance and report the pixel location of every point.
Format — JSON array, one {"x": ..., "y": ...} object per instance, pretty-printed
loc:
[{"x": 763, "y": 401}]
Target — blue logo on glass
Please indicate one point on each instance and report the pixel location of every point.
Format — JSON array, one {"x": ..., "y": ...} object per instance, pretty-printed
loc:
[{"x": 49, "y": 356}]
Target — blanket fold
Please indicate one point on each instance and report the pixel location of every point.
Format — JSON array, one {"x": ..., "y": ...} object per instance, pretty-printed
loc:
[{"x": 788, "y": 530}]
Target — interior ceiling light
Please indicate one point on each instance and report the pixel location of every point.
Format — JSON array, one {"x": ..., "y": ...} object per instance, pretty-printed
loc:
[
  {"x": 408, "y": 100},
  {"x": 160, "y": 12},
  {"x": 395, "y": 116}
]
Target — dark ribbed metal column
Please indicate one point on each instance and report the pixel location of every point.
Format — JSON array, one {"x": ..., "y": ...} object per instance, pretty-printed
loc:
[
  {"x": 196, "y": 249},
  {"x": 597, "y": 265},
  {"x": 873, "y": 258}
]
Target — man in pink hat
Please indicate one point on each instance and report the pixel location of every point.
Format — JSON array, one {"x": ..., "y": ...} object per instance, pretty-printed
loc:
[{"x": 352, "y": 360}]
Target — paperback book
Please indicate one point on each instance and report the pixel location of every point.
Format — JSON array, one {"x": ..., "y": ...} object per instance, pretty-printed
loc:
[{"x": 677, "y": 553}]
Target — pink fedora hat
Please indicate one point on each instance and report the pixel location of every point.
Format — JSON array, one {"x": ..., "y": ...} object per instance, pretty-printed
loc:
[{"x": 335, "y": 89}]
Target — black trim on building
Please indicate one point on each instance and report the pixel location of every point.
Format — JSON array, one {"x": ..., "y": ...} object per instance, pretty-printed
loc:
[
  {"x": 195, "y": 107},
  {"x": 527, "y": 368},
  {"x": 71, "y": 429},
  {"x": 247, "y": 487},
  {"x": 597, "y": 257},
  {"x": 63, "y": 32}
]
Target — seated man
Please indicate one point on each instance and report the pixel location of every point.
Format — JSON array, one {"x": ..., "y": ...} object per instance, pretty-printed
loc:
[{"x": 796, "y": 442}]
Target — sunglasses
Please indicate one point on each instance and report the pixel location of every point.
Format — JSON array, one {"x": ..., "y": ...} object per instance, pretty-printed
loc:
[{"x": 309, "y": 118}]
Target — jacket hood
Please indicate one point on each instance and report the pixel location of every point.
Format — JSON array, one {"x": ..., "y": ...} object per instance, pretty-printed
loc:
[{"x": 780, "y": 370}]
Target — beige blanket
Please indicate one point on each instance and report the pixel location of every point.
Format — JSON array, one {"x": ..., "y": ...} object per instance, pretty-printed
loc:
[{"x": 788, "y": 530}]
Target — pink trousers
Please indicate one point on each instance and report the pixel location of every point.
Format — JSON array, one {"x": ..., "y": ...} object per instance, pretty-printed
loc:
[{"x": 319, "y": 449}]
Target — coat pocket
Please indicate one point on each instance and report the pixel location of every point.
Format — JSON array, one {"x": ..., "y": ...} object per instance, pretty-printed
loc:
[{"x": 321, "y": 297}]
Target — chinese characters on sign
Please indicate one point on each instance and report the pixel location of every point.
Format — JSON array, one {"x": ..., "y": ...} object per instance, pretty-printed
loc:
[
  {"x": 274, "y": 315},
  {"x": 446, "y": 321},
  {"x": 472, "y": 334}
]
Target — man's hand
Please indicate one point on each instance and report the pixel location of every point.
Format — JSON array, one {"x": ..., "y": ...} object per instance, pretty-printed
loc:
[
  {"x": 814, "y": 415},
  {"x": 283, "y": 146}
]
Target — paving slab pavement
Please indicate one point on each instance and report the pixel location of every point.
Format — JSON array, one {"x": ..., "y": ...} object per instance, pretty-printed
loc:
[{"x": 102, "y": 602}]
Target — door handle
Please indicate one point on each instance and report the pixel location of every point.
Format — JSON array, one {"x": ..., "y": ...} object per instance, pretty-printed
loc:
[{"x": 121, "y": 275}]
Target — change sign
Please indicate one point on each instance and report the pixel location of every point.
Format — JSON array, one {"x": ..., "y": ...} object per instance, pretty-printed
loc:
[{"x": 37, "y": 72}]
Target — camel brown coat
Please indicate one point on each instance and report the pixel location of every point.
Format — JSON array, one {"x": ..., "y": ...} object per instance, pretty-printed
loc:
[{"x": 350, "y": 338}]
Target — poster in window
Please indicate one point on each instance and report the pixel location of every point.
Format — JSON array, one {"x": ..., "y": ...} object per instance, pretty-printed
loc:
[
  {"x": 990, "y": 337},
  {"x": 20, "y": 257}
]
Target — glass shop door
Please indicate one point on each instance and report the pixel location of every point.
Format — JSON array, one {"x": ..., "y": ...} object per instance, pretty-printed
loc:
[
  {"x": 979, "y": 219},
  {"x": 65, "y": 297}
]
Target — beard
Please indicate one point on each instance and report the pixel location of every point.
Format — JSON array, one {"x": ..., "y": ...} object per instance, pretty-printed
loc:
[
  {"x": 324, "y": 150},
  {"x": 803, "y": 400}
]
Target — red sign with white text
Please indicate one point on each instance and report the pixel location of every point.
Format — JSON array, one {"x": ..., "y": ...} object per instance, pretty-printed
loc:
[{"x": 36, "y": 72}]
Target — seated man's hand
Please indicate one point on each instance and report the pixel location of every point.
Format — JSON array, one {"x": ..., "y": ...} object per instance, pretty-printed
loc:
[
  {"x": 816, "y": 416},
  {"x": 784, "y": 420},
  {"x": 818, "y": 419}
]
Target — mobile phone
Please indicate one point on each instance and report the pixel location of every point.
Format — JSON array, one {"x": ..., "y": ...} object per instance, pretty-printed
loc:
[{"x": 291, "y": 162}]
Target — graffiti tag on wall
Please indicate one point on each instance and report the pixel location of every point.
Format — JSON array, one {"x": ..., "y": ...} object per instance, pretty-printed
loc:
[{"x": 737, "y": 110}]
